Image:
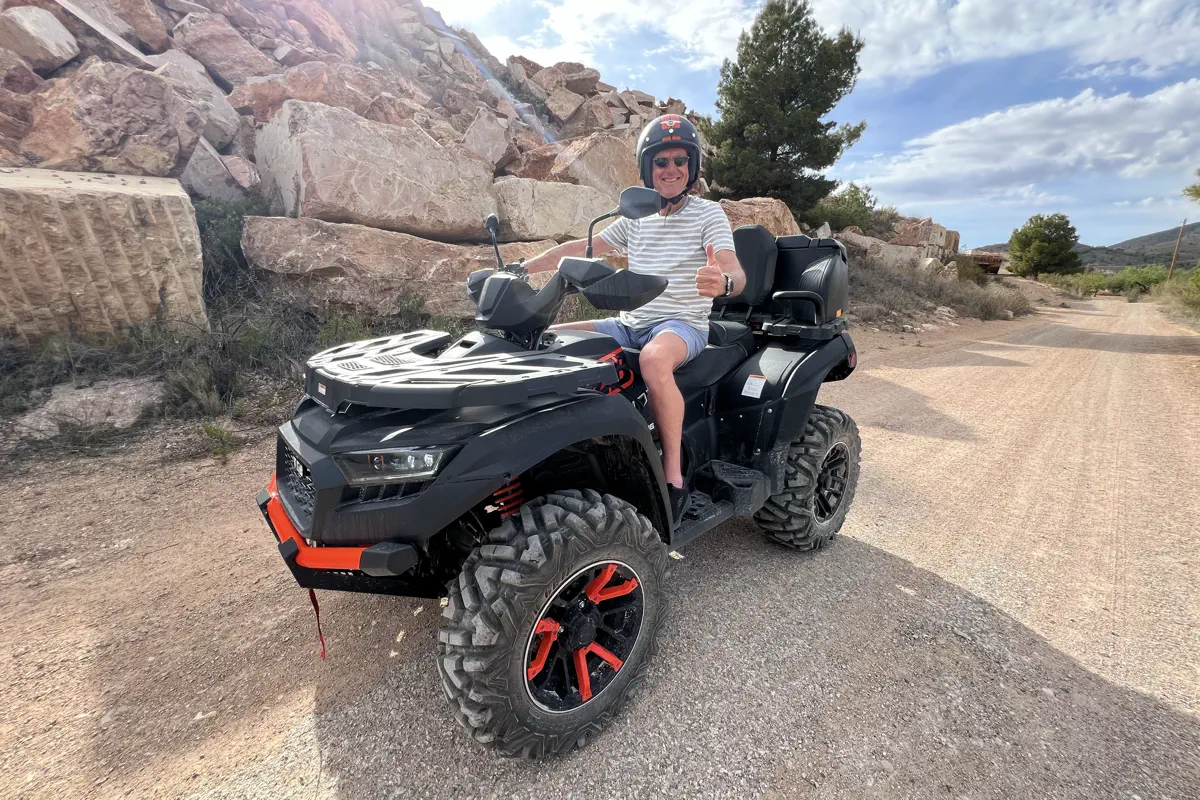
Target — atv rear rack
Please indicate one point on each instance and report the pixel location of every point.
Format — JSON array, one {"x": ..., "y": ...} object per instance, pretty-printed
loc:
[{"x": 401, "y": 372}]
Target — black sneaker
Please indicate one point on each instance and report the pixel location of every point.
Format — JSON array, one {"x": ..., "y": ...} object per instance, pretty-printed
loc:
[{"x": 680, "y": 501}]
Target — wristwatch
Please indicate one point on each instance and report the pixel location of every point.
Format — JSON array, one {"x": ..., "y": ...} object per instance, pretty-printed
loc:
[{"x": 728, "y": 284}]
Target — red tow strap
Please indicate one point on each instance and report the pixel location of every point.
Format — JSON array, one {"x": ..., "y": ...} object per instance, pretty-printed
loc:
[{"x": 317, "y": 612}]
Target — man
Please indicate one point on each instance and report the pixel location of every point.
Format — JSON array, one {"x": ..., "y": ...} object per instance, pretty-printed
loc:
[{"x": 690, "y": 243}]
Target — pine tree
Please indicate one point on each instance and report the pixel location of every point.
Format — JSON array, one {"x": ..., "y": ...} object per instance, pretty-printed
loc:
[
  {"x": 1193, "y": 191},
  {"x": 770, "y": 139},
  {"x": 1045, "y": 244}
]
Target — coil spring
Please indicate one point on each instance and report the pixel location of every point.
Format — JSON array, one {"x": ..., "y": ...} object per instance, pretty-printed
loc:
[{"x": 508, "y": 499}]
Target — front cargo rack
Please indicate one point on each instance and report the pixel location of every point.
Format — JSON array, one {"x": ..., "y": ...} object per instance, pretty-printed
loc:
[{"x": 401, "y": 372}]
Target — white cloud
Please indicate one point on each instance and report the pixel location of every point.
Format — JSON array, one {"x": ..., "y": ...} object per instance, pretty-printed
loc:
[
  {"x": 1010, "y": 154},
  {"x": 904, "y": 38},
  {"x": 701, "y": 33},
  {"x": 910, "y": 38}
]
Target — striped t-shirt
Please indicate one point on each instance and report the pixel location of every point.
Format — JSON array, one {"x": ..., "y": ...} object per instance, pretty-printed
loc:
[{"x": 673, "y": 247}]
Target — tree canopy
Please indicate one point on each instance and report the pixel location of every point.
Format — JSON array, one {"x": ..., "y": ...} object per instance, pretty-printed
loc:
[
  {"x": 770, "y": 139},
  {"x": 1045, "y": 244}
]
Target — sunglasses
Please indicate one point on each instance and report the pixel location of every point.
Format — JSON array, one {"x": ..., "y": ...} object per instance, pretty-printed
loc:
[{"x": 662, "y": 161}]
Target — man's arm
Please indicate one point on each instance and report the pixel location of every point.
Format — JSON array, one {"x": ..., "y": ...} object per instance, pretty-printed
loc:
[{"x": 548, "y": 260}]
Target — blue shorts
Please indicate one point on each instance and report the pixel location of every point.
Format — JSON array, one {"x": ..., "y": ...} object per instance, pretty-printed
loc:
[{"x": 637, "y": 338}]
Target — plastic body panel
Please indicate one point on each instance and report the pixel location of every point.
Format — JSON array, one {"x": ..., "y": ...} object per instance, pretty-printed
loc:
[
  {"x": 492, "y": 446},
  {"x": 392, "y": 372}
]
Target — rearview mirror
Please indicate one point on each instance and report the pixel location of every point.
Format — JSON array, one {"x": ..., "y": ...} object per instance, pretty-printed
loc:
[{"x": 638, "y": 202}]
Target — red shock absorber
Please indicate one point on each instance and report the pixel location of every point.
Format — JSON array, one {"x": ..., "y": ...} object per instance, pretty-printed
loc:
[{"x": 508, "y": 498}]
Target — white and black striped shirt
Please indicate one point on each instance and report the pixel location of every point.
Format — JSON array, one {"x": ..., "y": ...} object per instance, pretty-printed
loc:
[{"x": 673, "y": 247}]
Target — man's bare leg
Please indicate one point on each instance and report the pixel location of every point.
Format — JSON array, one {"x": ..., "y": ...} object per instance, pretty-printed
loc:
[
  {"x": 586, "y": 325},
  {"x": 658, "y": 362}
]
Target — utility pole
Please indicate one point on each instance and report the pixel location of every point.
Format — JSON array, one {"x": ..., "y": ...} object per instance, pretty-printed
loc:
[{"x": 1176, "y": 254}]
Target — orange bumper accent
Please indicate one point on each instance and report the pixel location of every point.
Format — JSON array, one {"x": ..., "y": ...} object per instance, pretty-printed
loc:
[{"x": 311, "y": 557}]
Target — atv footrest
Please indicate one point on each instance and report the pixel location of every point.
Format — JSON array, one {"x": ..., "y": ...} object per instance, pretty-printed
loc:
[
  {"x": 744, "y": 488},
  {"x": 703, "y": 515}
]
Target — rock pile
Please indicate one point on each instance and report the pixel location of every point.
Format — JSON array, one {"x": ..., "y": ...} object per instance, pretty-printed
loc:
[
  {"x": 914, "y": 241},
  {"x": 379, "y": 135}
]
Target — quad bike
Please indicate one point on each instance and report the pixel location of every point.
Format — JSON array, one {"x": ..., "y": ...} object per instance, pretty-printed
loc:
[{"x": 517, "y": 473}]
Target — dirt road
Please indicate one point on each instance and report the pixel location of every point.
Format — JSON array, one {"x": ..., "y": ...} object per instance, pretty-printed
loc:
[{"x": 1013, "y": 611}]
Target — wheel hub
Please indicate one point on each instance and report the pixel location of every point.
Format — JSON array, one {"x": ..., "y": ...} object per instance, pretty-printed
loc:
[
  {"x": 583, "y": 636},
  {"x": 580, "y": 626}
]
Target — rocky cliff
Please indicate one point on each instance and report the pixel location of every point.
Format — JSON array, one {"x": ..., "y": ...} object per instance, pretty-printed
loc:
[{"x": 384, "y": 133}]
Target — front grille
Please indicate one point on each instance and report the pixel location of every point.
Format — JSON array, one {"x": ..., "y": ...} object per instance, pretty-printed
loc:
[{"x": 295, "y": 480}]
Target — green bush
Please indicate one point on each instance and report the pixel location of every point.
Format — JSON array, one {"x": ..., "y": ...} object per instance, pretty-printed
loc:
[
  {"x": 970, "y": 272},
  {"x": 1141, "y": 278},
  {"x": 220, "y": 440},
  {"x": 1079, "y": 285},
  {"x": 1182, "y": 291},
  {"x": 229, "y": 281}
]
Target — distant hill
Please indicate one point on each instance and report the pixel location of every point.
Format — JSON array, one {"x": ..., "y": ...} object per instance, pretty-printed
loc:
[{"x": 1153, "y": 248}]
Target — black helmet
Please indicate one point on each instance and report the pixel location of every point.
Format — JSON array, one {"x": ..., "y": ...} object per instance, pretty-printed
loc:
[{"x": 662, "y": 133}]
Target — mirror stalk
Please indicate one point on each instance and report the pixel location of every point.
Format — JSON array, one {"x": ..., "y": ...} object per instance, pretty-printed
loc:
[
  {"x": 600, "y": 218},
  {"x": 493, "y": 227}
]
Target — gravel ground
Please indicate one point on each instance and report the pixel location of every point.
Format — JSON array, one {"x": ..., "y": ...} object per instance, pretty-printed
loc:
[{"x": 1012, "y": 612}]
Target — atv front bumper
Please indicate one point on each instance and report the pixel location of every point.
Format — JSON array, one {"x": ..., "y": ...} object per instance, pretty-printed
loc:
[{"x": 384, "y": 568}]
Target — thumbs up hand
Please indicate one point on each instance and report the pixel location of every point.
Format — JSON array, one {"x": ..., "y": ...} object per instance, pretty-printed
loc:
[{"x": 710, "y": 280}]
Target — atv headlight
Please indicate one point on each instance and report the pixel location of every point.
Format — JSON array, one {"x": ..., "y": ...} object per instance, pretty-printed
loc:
[{"x": 392, "y": 466}]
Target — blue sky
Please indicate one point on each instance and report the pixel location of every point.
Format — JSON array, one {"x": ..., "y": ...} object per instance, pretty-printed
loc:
[{"x": 979, "y": 113}]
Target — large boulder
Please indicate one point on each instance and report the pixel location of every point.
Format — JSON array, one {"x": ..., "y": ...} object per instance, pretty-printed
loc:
[
  {"x": 325, "y": 31},
  {"x": 97, "y": 30},
  {"x": 211, "y": 40},
  {"x": 934, "y": 239},
  {"x": 221, "y": 121},
  {"x": 594, "y": 115},
  {"x": 772, "y": 214},
  {"x": 116, "y": 404},
  {"x": 113, "y": 118},
  {"x": 487, "y": 137},
  {"x": 319, "y": 265},
  {"x": 16, "y": 75},
  {"x": 550, "y": 78},
  {"x": 16, "y": 112},
  {"x": 146, "y": 25},
  {"x": 602, "y": 161},
  {"x": 89, "y": 253},
  {"x": 885, "y": 253},
  {"x": 562, "y": 103},
  {"x": 207, "y": 177},
  {"x": 331, "y": 164},
  {"x": 536, "y": 163},
  {"x": 36, "y": 36},
  {"x": 581, "y": 81},
  {"x": 532, "y": 210},
  {"x": 338, "y": 85}
]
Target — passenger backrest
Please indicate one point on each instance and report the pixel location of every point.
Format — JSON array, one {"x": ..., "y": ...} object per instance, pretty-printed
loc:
[
  {"x": 757, "y": 253},
  {"x": 813, "y": 265}
]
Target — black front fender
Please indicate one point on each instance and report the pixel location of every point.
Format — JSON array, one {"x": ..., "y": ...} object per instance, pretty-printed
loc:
[{"x": 493, "y": 457}]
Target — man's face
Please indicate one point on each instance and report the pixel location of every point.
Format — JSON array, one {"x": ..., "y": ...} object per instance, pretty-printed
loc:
[{"x": 671, "y": 179}]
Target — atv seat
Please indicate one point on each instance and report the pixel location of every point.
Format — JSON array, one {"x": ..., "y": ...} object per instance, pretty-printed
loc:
[
  {"x": 710, "y": 366},
  {"x": 795, "y": 285}
]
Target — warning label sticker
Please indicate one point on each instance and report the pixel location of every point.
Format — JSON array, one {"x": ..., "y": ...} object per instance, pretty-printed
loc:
[{"x": 754, "y": 386}]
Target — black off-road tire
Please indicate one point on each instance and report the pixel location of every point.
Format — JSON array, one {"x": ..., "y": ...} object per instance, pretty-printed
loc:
[
  {"x": 502, "y": 591},
  {"x": 826, "y": 456}
]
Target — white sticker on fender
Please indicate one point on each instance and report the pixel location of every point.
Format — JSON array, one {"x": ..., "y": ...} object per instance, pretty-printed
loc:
[{"x": 754, "y": 386}]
